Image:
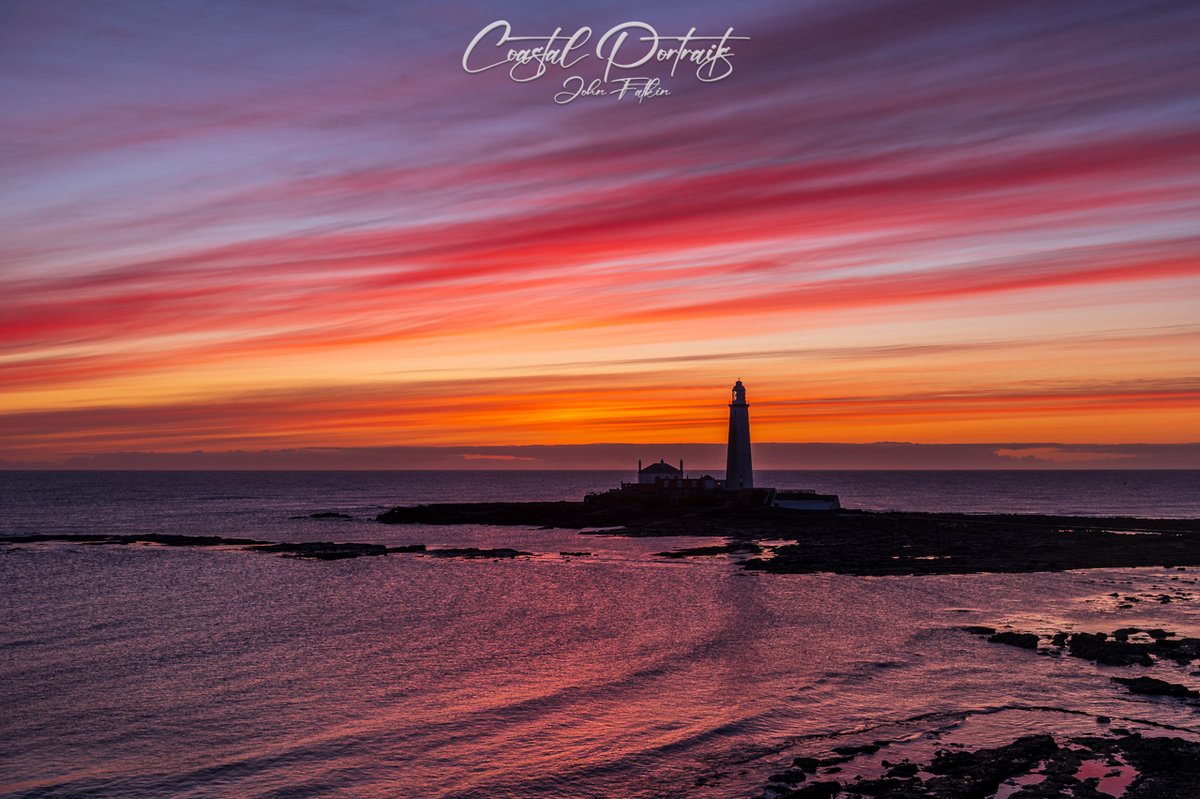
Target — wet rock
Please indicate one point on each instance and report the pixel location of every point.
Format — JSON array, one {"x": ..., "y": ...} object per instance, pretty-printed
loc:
[
  {"x": 160, "y": 539},
  {"x": 887, "y": 786},
  {"x": 903, "y": 770},
  {"x": 408, "y": 548},
  {"x": 808, "y": 764},
  {"x": 958, "y": 775},
  {"x": 1164, "y": 768},
  {"x": 327, "y": 515},
  {"x": 1168, "y": 768},
  {"x": 1183, "y": 650},
  {"x": 311, "y": 550},
  {"x": 1149, "y": 686},
  {"x": 1059, "y": 640},
  {"x": 1059, "y": 780},
  {"x": 733, "y": 547},
  {"x": 843, "y": 542},
  {"x": 978, "y": 629},
  {"x": 857, "y": 542},
  {"x": 789, "y": 777},
  {"x": 1097, "y": 647},
  {"x": 985, "y": 765},
  {"x": 575, "y": 554},
  {"x": 325, "y": 550},
  {"x": 1023, "y": 640},
  {"x": 826, "y": 762},
  {"x": 474, "y": 552},
  {"x": 980, "y": 773}
]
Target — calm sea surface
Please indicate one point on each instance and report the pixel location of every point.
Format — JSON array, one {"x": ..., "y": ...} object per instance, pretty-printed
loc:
[{"x": 158, "y": 672}]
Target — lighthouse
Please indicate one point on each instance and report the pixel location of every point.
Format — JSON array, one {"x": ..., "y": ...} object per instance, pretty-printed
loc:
[
  {"x": 661, "y": 485},
  {"x": 738, "y": 472}
]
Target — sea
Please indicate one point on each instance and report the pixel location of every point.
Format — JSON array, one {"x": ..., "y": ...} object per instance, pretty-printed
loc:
[{"x": 590, "y": 668}]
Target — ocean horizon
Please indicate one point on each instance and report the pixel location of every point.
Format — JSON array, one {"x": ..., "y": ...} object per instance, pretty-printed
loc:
[{"x": 241, "y": 502}]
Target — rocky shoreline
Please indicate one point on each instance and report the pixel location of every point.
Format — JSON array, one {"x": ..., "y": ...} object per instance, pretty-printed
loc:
[
  {"x": 1127, "y": 646},
  {"x": 1033, "y": 766},
  {"x": 776, "y": 540},
  {"x": 1116, "y": 762},
  {"x": 861, "y": 542},
  {"x": 306, "y": 550}
]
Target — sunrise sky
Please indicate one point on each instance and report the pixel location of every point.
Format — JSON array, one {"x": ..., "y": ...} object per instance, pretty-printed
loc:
[{"x": 254, "y": 226}]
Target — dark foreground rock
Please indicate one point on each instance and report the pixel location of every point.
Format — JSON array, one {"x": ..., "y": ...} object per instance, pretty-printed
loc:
[
  {"x": 158, "y": 539},
  {"x": 956, "y": 774},
  {"x": 1023, "y": 640},
  {"x": 1169, "y": 768},
  {"x": 732, "y": 548},
  {"x": 475, "y": 552},
  {"x": 325, "y": 550},
  {"x": 1114, "y": 649},
  {"x": 1149, "y": 686},
  {"x": 1111, "y": 652},
  {"x": 816, "y": 790},
  {"x": 1118, "y": 651},
  {"x": 1157, "y": 768},
  {"x": 910, "y": 543},
  {"x": 316, "y": 550},
  {"x": 859, "y": 542},
  {"x": 310, "y": 550},
  {"x": 844, "y": 542}
]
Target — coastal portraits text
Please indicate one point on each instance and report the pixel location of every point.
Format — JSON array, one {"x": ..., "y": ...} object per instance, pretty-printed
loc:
[{"x": 622, "y": 49}]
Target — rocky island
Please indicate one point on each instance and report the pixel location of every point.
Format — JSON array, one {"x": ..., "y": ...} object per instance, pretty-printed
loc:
[{"x": 820, "y": 535}]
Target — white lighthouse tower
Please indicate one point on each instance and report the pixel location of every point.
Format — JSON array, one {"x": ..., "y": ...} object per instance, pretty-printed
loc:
[{"x": 738, "y": 472}]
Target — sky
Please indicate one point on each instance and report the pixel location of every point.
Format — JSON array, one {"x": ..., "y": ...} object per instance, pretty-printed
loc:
[{"x": 304, "y": 225}]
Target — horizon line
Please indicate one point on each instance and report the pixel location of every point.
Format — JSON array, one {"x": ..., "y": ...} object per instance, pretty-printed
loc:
[{"x": 705, "y": 457}]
